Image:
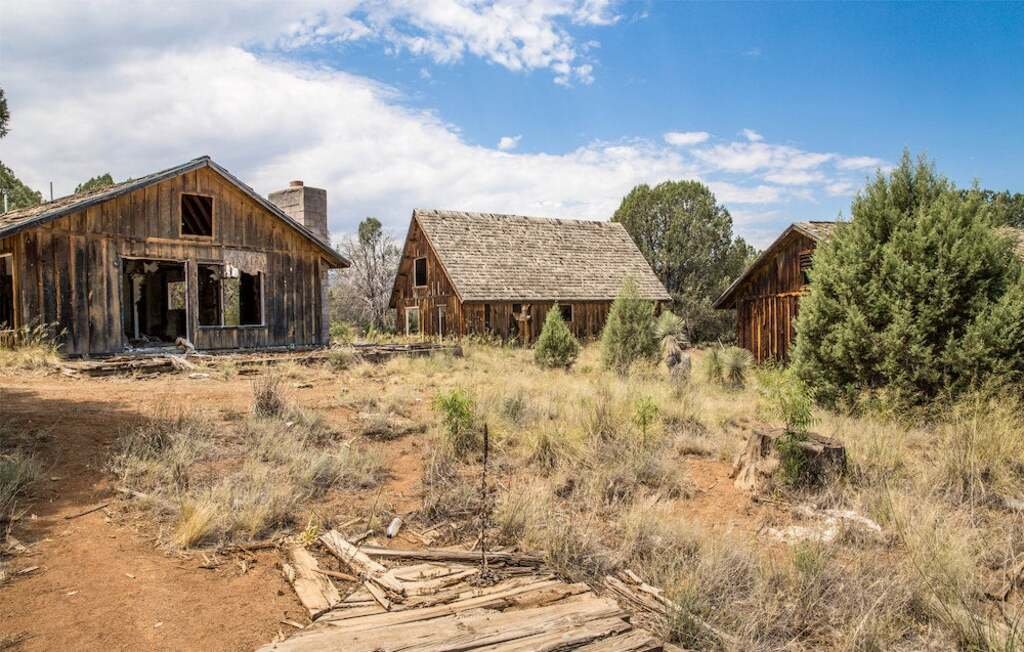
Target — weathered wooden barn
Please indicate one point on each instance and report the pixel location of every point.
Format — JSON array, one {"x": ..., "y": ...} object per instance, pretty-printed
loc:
[
  {"x": 766, "y": 296},
  {"x": 187, "y": 252},
  {"x": 481, "y": 273}
]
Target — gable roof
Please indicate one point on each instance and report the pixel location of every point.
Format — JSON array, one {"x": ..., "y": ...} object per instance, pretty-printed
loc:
[
  {"x": 815, "y": 230},
  {"x": 26, "y": 218},
  {"x": 491, "y": 257}
]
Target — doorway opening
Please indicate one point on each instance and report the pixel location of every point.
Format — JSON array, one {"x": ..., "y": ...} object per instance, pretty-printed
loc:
[
  {"x": 6, "y": 292},
  {"x": 156, "y": 312}
]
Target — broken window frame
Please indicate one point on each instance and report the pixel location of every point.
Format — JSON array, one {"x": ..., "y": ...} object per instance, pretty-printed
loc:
[
  {"x": 181, "y": 216},
  {"x": 419, "y": 321},
  {"x": 126, "y": 302},
  {"x": 416, "y": 275},
  {"x": 221, "y": 300},
  {"x": 8, "y": 259},
  {"x": 806, "y": 260}
]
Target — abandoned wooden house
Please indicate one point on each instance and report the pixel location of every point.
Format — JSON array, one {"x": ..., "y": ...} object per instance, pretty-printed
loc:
[
  {"x": 481, "y": 273},
  {"x": 190, "y": 252},
  {"x": 766, "y": 296}
]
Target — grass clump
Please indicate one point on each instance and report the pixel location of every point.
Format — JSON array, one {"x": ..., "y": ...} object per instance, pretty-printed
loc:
[
  {"x": 30, "y": 348},
  {"x": 456, "y": 409},
  {"x": 630, "y": 333},
  {"x": 556, "y": 347},
  {"x": 727, "y": 366},
  {"x": 268, "y": 399},
  {"x": 18, "y": 472}
]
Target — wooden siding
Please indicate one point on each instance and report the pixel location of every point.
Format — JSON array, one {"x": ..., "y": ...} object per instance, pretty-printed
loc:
[
  {"x": 767, "y": 303},
  {"x": 68, "y": 271},
  {"x": 463, "y": 319}
]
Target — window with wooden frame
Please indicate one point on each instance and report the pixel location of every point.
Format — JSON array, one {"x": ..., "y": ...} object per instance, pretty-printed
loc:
[
  {"x": 229, "y": 296},
  {"x": 806, "y": 257},
  {"x": 566, "y": 310},
  {"x": 412, "y": 321},
  {"x": 420, "y": 272},
  {"x": 487, "y": 317},
  {"x": 196, "y": 215}
]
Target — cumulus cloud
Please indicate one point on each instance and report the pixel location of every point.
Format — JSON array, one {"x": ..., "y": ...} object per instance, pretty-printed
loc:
[
  {"x": 861, "y": 163},
  {"x": 686, "y": 138},
  {"x": 507, "y": 143},
  {"x": 139, "y": 87}
]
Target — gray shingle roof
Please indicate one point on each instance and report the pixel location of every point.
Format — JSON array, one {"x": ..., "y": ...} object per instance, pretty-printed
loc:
[
  {"x": 491, "y": 257},
  {"x": 18, "y": 220}
]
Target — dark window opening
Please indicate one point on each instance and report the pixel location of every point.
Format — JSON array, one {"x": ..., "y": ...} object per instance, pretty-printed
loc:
[
  {"x": 155, "y": 300},
  {"x": 229, "y": 297},
  {"x": 513, "y": 327},
  {"x": 566, "y": 310},
  {"x": 487, "y": 317},
  {"x": 421, "y": 272},
  {"x": 196, "y": 215},
  {"x": 6, "y": 292},
  {"x": 805, "y": 265}
]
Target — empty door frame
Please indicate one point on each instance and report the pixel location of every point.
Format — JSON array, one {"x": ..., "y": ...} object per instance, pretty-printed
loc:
[
  {"x": 8, "y": 260},
  {"x": 188, "y": 267}
]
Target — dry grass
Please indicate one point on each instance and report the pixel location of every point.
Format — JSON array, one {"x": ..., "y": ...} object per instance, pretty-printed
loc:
[
  {"x": 30, "y": 349},
  {"x": 241, "y": 480},
  {"x": 583, "y": 483}
]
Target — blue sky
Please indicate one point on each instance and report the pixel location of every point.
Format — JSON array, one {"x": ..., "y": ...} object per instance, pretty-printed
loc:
[{"x": 784, "y": 109}]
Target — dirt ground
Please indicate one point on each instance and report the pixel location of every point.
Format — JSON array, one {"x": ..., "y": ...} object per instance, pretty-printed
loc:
[{"x": 103, "y": 583}]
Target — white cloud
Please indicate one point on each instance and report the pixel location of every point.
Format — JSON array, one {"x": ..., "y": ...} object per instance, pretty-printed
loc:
[
  {"x": 143, "y": 87},
  {"x": 860, "y": 163},
  {"x": 841, "y": 189},
  {"x": 752, "y": 135},
  {"x": 508, "y": 143},
  {"x": 685, "y": 138}
]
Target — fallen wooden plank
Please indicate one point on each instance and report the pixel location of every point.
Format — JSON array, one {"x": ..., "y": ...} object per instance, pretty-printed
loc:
[
  {"x": 637, "y": 640},
  {"x": 338, "y": 576},
  {"x": 466, "y": 630},
  {"x": 88, "y": 511},
  {"x": 466, "y": 556},
  {"x": 371, "y": 571},
  {"x": 316, "y": 593}
]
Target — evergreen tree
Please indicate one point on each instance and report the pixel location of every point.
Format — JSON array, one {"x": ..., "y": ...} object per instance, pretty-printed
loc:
[
  {"x": 916, "y": 295},
  {"x": 631, "y": 331},
  {"x": 556, "y": 346},
  {"x": 18, "y": 194},
  {"x": 686, "y": 236}
]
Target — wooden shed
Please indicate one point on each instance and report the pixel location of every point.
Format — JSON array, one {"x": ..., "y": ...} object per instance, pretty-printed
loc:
[
  {"x": 187, "y": 252},
  {"x": 482, "y": 273},
  {"x": 766, "y": 296}
]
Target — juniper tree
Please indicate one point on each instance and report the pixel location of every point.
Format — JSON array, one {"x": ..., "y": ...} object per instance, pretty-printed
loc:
[
  {"x": 916, "y": 295},
  {"x": 556, "y": 346},
  {"x": 630, "y": 333}
]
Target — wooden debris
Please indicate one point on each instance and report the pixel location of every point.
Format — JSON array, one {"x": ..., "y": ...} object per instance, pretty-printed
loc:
[
  {"x": 316, "y": 593},
  {"x": 88, "y": 511},
  {"x": 638, "y": 593},
  {"x": 338, "y": 576},
  {"x": 467, "y": 556}
]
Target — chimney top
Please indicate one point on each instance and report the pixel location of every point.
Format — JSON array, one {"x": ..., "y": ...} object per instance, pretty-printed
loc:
[{"x": 296, "y": 184}]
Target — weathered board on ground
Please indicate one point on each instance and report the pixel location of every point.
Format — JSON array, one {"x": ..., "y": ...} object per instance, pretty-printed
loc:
[{"x": 436, "y": 606}]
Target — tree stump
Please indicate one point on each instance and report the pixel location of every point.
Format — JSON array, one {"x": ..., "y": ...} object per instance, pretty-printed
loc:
[{"x": 800, "y": 458}]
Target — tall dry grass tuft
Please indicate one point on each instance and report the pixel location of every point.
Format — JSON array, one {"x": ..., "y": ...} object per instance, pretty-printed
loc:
[
  {"x": 18, "y": 472},
  {"x": 31, "y": 348},
  {"x": 268, "y": 399}
]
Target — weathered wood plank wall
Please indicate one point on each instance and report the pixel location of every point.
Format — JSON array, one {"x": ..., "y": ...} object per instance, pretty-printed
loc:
[
  {"x": 68, "y": 271},
  {"x": 767, "y": 304}
]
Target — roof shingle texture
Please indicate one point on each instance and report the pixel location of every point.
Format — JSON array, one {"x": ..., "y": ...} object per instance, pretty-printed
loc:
[{"x": 491, "y": 257}]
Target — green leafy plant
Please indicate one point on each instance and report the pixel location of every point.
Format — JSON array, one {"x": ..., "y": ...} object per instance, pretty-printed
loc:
[
  {"x": 556, "y": 347},
  {"x": 459, "y": 420},
  {"x": 630, "y": 333},
  {"x": 645, "y": 412},
  {"x": 670, "y": 325}
]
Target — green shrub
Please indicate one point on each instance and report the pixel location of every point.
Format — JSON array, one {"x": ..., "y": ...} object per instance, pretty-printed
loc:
[
  {"x": 786, "y": 398},
  {"x": 342, "y": 332},
  {"x": 457, "y": 415},
  {"x": 916, "y": 296},
  {"x": 556, "y": 346},
  {"x": 630, "y": 333},
  {"x": 712, "y": 365}
]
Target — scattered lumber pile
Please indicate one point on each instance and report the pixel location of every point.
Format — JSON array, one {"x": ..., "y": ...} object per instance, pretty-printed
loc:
[
  {"x": 383, "y": 352},
  {"x": 131, "y": 365},
  {"x": 440, "y": 604},
  {"x": 756, "y": 466}
]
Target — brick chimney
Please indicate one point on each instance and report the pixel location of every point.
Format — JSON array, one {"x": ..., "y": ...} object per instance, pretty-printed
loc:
[{"x": 306, "y": 205}]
